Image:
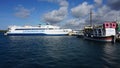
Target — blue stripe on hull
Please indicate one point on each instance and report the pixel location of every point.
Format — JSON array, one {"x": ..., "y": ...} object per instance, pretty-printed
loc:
[{"x": 37, "y": 34}]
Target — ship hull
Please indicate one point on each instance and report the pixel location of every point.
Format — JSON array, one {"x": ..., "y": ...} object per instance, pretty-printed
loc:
[{"x": 102, "y": 39}]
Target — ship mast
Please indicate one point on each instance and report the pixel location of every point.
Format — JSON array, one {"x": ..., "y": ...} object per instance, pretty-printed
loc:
[{"x": 91, "y": 17}]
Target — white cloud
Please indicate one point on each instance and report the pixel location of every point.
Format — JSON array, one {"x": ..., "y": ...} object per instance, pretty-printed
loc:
[
  {"x": 103, "y": 14},
  {"x": 81, "y": 10},
  {"x": 56, "y": 16},
  {"x": 112, "y": 15},
  {"x": 63, "y": 3},
  {"x": 98, "y": 2},
  {"x": 103, "y": 10},
  {"x": 99, "y": 16},
  {"x": 60, "y": 2},
  {"x": 114, "y": 4},
  {"x": 81, "y": 13},
  {"x": 75, "y": 23},
  {"x": 22, "y": 12}
]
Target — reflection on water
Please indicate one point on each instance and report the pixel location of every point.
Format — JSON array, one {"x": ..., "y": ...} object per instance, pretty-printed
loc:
[
  {"x": 57, "y": 52},
  {"x": 109, "y": 48},
  {"x": 110, "y": 55}
]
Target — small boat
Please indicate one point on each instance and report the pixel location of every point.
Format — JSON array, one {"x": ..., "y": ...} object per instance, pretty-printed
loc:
[
  {"x": 104, "y": 33},
  {"x": 42, "y": 30}
]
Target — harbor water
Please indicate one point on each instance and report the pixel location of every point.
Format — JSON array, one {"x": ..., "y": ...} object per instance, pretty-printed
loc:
[{"x": 57, "y": 52}]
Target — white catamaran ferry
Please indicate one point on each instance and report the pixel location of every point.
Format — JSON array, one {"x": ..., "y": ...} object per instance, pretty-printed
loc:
[{"x": 37, "y": 30}]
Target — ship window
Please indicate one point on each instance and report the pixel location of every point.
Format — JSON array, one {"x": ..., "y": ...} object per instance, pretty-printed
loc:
[
  {"x": 22, "y": 29},
  {"x": 38, "y": 29},
  {"x": 50, "y": 28},
  {"x": 32, "y": 29},
  {"x": 99, "y": 30}
]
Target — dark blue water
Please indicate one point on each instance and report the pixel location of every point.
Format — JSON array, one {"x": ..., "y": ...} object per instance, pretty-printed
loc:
[{"x": 57, "y": 52}]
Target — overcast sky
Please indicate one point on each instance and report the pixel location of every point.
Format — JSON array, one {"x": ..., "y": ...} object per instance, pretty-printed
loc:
[{"x": 65, "y": 13}]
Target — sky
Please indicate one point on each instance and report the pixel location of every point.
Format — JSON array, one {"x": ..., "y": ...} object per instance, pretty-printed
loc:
[{"x": 65, "y": 13}]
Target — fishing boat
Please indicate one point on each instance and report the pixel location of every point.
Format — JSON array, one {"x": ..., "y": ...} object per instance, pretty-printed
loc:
[
  {"x": 42, "y": 30},
  {"x": 105, "y": 32}
]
